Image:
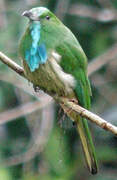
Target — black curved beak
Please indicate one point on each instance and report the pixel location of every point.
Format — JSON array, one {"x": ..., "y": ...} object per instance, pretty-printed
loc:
[
  {"x": 27, "y": 14},
  {"x": 30, "y": 15}
]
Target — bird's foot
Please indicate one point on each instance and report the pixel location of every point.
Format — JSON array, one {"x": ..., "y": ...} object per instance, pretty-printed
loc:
[{"x": 36, "y": 88}]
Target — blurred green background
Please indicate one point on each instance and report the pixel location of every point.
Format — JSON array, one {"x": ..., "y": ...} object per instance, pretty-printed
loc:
[{"x": 36, "y": 141}]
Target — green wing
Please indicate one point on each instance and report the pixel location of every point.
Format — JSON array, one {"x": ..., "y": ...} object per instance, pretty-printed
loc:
[{"x": 74, "y": 62}]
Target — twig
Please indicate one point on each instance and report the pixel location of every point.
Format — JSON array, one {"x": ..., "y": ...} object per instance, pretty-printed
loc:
[
  {"x": 14, "y": 66},
  {"x": 82, "y": 112},
  {"x": 89, "y": 115}
]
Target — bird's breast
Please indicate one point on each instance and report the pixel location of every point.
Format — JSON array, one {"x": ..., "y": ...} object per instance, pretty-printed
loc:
[{"x": 51, "y": 78}]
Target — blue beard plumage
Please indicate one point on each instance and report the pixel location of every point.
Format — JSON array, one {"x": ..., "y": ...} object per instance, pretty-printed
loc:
[{"x": 37, "y": 54}]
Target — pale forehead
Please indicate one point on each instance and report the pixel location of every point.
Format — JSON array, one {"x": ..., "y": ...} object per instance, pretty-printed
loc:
[{"x": 39, "y": 10}]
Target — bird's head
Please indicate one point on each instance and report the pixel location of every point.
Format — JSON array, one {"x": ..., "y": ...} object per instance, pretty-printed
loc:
[{"x": 41, "y": 14}]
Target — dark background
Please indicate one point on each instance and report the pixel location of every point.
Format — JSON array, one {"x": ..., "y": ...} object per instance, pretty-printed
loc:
[{"x": 36, "y": 141}]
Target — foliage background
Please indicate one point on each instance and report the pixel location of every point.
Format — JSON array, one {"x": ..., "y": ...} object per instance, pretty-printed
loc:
[{"x": 35, "y": 143}]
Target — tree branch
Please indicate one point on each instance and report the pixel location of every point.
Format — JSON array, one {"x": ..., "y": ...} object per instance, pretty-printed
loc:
[
  {"x": 70, "y": 105},
  {"x": 14, "y": 66},
  {"x": 89, "y": 115}
]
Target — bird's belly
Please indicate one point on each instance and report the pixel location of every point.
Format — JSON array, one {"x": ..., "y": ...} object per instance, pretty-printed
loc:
[{"x": 49, "y": 81}]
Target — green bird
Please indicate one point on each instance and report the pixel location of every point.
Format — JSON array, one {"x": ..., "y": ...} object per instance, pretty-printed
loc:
[{"x": 54, "y": 60}]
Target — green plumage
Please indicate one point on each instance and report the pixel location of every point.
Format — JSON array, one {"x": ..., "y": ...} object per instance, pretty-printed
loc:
[{"x": 72, "y": 61}]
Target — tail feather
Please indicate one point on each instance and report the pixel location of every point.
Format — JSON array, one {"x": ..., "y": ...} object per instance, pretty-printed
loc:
[
  {"x": 87, "y": 145},
  {"x": 86, "y": 139}
]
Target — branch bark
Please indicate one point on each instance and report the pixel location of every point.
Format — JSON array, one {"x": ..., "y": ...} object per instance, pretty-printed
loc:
[
  {"x": 70, "y": 105},
  {"x": 14, "y": 66},
  {"x": 89, "y": 115}
]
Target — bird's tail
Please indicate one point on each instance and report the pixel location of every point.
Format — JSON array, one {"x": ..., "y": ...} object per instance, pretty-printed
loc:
[
  {"x": 87, "y": 144},
  {"x": 86, "y": 139}
]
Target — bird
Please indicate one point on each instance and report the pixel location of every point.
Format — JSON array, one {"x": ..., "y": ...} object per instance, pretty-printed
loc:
[{"x": 54, "y": 61}]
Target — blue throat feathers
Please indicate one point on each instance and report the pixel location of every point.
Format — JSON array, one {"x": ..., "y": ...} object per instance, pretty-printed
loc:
[{"x": 37, "y": 54}]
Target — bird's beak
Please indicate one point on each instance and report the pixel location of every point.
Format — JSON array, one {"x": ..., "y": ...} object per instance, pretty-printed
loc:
[
  {"x": 27, "y": 14},
  {"x": 30, "y": 15}
]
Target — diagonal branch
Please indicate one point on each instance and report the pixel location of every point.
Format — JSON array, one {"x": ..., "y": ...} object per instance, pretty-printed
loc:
[
  {"x": 14, "y": 66},
  {"x": 70, "y": 105},
  {"x": 89, "y": 115}
]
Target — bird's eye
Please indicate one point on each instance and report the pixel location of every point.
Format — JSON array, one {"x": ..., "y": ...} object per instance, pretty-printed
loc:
[{"x": 47, "y": 17}]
